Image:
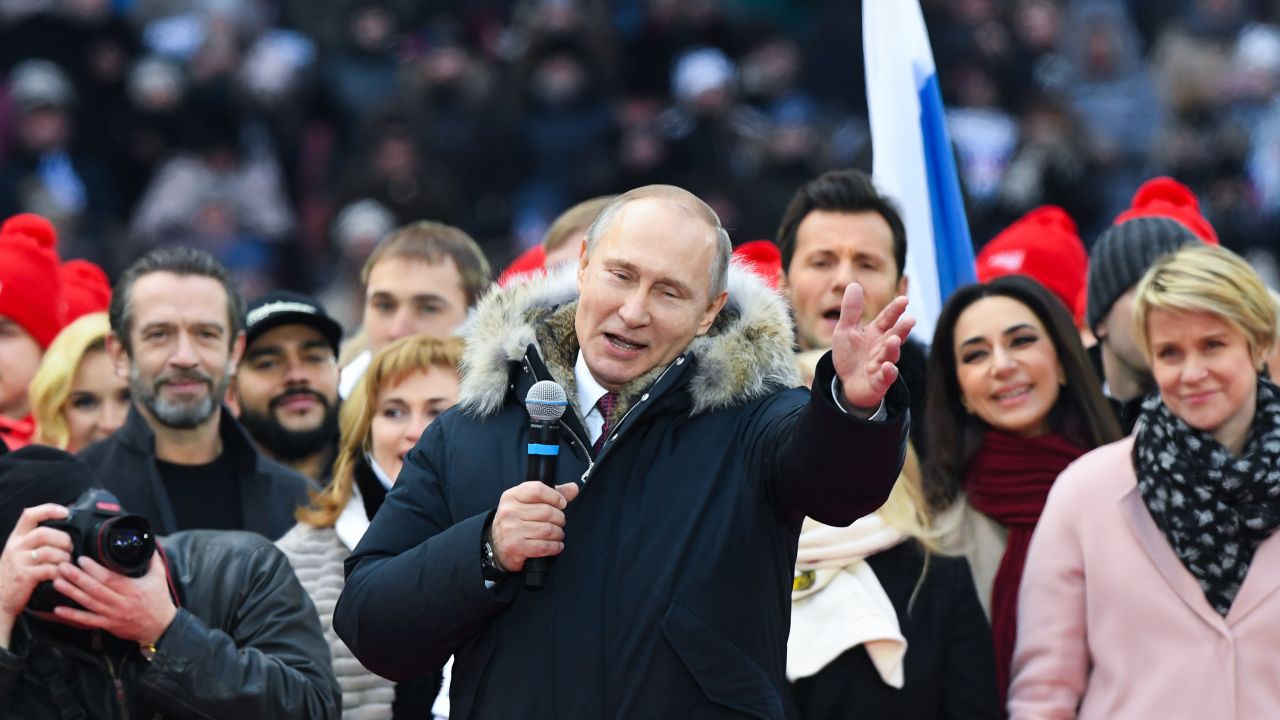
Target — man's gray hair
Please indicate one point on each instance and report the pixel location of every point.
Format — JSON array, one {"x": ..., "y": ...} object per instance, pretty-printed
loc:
[{"x": 681, "y": 198}]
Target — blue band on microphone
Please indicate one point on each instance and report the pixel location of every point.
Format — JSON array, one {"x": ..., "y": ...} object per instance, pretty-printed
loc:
[{"x": 540, "y": 449}]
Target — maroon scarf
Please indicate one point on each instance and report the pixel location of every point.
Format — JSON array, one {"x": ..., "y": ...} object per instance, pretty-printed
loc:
[{"x": 1008, "y": 481}]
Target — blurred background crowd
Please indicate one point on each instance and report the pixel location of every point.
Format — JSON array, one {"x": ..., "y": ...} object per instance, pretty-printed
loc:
[{"x": 287, "y": 136}]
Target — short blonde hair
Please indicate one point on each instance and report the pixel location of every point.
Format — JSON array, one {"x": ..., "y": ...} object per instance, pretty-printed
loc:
[
  {"x": 577, "y": 218},
  {"x": 52, "y": 382},
  {"x": 1209, "y": 279},
  {"x": 389, "y": 366}
]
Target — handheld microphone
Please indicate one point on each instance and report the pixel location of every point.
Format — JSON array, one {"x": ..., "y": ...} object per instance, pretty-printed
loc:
[{"x": 546, "y": 402}]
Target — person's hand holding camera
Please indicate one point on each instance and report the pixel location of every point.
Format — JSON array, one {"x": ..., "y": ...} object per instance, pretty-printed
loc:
[
  {"x": 138, "y": 609},
  {"x": 31, "y": 556}
]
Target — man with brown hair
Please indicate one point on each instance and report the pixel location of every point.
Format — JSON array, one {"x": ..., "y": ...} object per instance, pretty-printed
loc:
[{"x": 420, "y": 280}]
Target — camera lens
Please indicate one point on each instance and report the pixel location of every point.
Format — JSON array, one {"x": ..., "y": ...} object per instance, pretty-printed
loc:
[{"x": 127, "y": 544}]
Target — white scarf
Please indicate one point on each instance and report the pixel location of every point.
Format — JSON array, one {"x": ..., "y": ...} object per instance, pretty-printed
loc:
[{"x": 838, "y": 603}]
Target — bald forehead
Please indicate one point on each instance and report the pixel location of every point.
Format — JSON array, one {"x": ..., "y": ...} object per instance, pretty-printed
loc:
[{"x": 680, "y": 213}]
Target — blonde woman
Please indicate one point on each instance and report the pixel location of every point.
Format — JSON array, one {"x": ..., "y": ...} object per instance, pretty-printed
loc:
[
  {"x": 883, "y": 623},
  {"x": 1150, "y": 582},
  {"x": 76, "y": 397},
  {"x": 408, "y": 384}
]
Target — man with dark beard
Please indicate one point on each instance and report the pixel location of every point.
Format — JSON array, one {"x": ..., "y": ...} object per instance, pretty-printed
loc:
[
  {"x": 179, "y": 460},
  {"x": 286, "y": 389}
]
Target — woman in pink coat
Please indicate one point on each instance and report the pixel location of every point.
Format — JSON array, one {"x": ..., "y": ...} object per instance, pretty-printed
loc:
[{"x": 1150, "y": 587}]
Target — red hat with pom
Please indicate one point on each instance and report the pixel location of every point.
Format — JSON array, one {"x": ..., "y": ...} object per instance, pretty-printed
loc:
[
  {"x": 30, "y": 289},
  {"x": 1043, "y": 245},
  {"x": 84, "y": 288},
  {"x": 1166, "y": 197},
  {"x": 761, "y": 257}
]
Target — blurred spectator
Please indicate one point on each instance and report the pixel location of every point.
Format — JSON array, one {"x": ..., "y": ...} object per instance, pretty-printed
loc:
[
  {"x": 84, "y": 289},
  {"x": 393, "y": 171},
  {"x": 1052, "y": 166},
  {"x": 44, "y": 171},
  {"x": 363, "y": 76},
  {"x": 77, "y": 398},
  {"x": 219, "y": 198},
  {"x": 30, "y": 317},
  {"x": 355, "y": 232},
  {"x": 1044, "y": 246},
  {"x": 710, "y": 130},
  {"x": 1114, "y": 95},
  {"x": 567, "y": 127}
]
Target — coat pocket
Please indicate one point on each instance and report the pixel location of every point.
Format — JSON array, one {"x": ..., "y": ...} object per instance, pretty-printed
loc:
[{"x": 725, "y": 673}]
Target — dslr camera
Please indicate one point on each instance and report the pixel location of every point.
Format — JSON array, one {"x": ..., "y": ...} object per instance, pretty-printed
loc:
[{"x": 102, "y": 530}]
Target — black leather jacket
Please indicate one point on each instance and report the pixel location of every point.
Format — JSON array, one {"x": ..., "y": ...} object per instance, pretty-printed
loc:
[{"x": 246, "y": 644}]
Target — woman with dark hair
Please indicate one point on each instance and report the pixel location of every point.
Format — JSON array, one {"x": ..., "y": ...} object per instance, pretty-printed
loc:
[{"x": 1013, "y": 400}]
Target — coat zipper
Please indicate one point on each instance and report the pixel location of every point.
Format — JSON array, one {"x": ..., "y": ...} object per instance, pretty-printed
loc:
[
  {"x": 116, "y": 679},
  {"x": 614, "y": 432}
]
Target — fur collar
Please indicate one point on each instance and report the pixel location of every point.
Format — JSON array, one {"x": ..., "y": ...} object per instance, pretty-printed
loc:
[{"x": 745, "y": 356}]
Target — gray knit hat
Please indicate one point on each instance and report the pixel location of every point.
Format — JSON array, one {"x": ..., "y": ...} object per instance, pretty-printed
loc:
[{"x": 1123, "y": 254}]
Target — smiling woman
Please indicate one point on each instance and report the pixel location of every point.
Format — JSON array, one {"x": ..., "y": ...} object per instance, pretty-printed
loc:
[
  {"x": 76, "y": 397},
  {"x": 1012, "y": 401},
  {"x": 1168, "y": 536},
  {"x": 408, "y": 384}
]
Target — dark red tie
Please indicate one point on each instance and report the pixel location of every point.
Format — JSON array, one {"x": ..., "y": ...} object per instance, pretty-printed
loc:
[{"x": 605, "y": 405}]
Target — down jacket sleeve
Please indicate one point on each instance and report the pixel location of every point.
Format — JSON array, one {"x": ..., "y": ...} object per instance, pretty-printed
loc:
[
  {"x": 267, "y": 660},
  {"x": 830, "y": 466},
  {"x": 394, "y": 581}
]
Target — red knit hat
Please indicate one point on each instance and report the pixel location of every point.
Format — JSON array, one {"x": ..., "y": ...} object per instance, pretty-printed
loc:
[
  {"x": 84, "y": 288},
  {"x": 763, "y": 258},
  {"x": 529, "y": 262},
  {"x": 1166, "y": 197},
  {"x": 30, "y": 289},
  {"x": 1043, "y": 245}
]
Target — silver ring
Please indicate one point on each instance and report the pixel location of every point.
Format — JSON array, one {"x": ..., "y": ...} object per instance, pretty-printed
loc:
[{"x": 34, "y": 556}]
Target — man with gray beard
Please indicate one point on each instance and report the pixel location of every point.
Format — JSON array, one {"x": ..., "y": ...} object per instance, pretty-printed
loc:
[{"x": 181, "y": 460}]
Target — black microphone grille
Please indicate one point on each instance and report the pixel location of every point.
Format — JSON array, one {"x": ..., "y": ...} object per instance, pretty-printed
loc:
[{"x": 546, "y": 401}]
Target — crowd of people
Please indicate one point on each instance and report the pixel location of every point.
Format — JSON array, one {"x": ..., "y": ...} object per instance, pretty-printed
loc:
[
  {"x": 272, "y": 336},
  {"x": 1108, "y": 418},
  {"x": 286, "y": 137}
]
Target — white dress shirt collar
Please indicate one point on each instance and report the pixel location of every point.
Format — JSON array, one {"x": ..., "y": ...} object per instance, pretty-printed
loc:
[{"x": 589, "y": 393}]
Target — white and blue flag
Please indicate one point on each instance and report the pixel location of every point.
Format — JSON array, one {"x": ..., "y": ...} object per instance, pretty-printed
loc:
[{"x": 911, "y": 155}]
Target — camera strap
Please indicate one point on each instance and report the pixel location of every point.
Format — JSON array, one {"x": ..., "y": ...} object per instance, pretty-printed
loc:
[{"x": 168, "y": 577}]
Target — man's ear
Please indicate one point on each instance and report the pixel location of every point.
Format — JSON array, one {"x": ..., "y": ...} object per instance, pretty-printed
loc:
[
  {"x": 712, "y": 311},
  {"x": 119, "y": 358},
  {"x": 237, "y": 352},
  {"x": 232, "y": 398},
  {"x": 582, "y": 265},
  {"x": 902, "y": 285}
]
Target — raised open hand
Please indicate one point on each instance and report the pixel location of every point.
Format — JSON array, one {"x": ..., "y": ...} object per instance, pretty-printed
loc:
[{"x": 865, "y": 355}]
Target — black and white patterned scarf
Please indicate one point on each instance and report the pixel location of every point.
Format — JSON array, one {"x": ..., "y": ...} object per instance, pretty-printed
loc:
[{"x": 1214, "y": 508}]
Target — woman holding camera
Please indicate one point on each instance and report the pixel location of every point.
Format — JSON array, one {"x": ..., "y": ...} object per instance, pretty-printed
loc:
[
  {"x": 406, "y": 386},
  {"x": 1150, "y": 588}
]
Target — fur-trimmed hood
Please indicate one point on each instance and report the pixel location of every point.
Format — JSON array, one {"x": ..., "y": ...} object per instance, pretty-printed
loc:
[{"x": 747, "y": 353}]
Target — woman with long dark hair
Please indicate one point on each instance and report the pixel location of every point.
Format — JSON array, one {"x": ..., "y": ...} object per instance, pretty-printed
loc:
[{"x": 1012, "y": 401}]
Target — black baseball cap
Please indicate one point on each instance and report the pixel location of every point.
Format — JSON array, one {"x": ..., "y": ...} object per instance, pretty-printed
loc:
[{"x": 289, "y": 308}]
